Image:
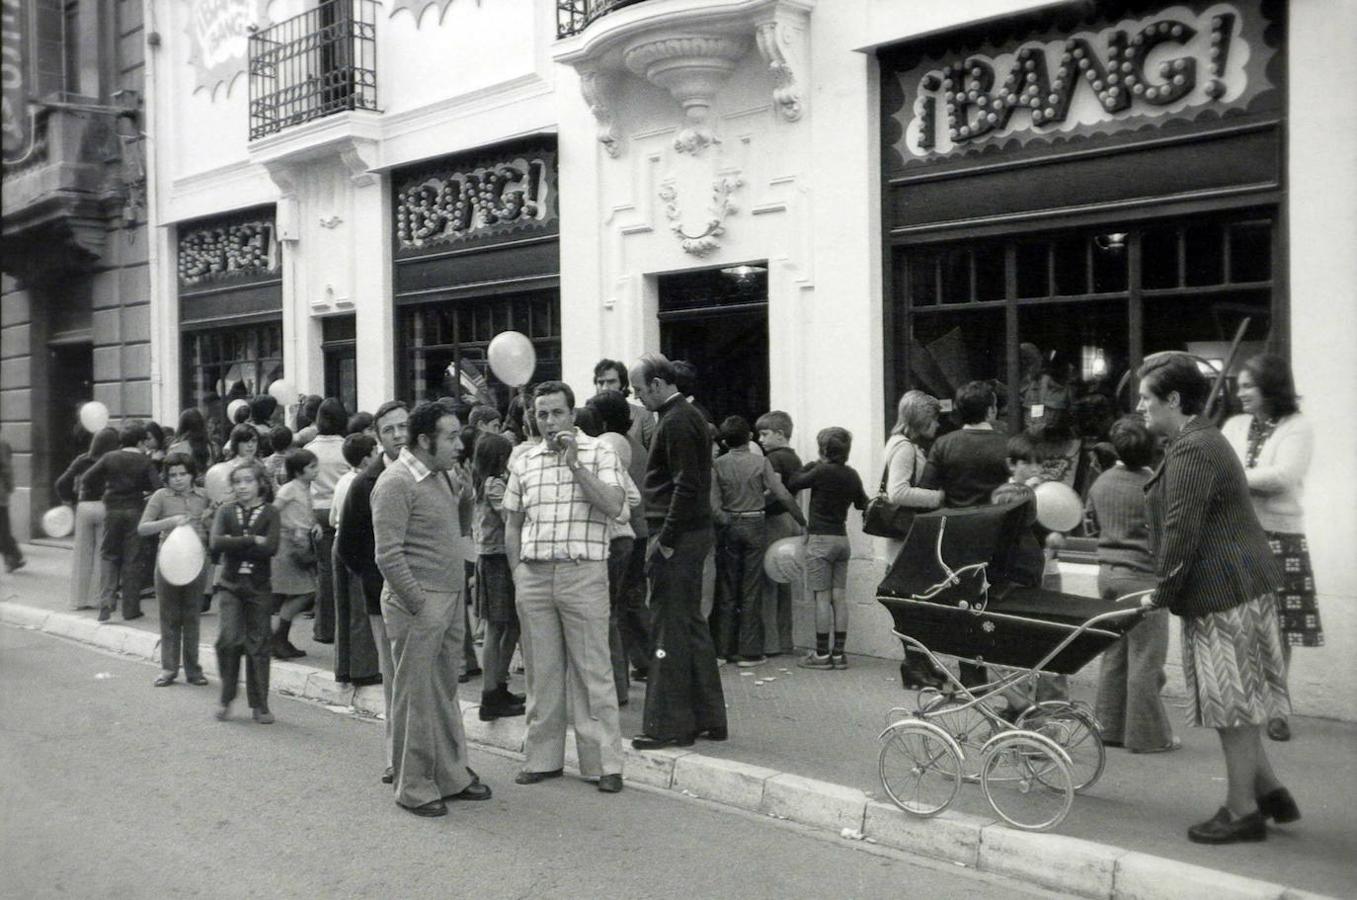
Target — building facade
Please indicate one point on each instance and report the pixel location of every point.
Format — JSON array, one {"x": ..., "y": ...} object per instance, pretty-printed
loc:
[
  {"x": 75, "y": 302},
  {"x": 819, "y": 211}
]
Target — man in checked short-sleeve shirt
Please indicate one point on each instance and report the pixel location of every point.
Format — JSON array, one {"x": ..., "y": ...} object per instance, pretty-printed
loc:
[{"x": 562, "y": 495}]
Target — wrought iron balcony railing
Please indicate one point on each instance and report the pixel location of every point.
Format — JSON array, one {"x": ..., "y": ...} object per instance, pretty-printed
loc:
[
  {"x": 573, "y": 16},
  {"x": 319, "y": 63}
]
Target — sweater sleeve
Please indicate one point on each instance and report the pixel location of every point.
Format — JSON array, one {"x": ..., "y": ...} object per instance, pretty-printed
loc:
[
  {"x": 902, "y": 472},
  {"x": 391, "y": 508},
  {"x": 1289, "y": 459},
  {"x": 1189, "y": 481},
  {"x": 802, "y": 479},
  {"x": 221, "y": 539}
]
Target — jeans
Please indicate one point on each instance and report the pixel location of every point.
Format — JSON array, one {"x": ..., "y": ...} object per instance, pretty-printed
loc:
[
  {"x": 244, "y": 631},
  {"x": 118, "y": 560},
  {"x": 181, "y": 610},
  {"x": 738, "y": 625}
]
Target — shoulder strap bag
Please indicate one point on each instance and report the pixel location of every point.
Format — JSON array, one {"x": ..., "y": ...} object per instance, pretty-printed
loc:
[{"x": 884, "y": 518}]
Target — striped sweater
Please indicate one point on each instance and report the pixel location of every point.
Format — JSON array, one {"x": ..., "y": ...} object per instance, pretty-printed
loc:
[{"x": 1210, "y": 552}]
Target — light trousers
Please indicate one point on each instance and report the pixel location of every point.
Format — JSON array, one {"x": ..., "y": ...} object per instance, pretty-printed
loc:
[{"x": 563, "y": 613}]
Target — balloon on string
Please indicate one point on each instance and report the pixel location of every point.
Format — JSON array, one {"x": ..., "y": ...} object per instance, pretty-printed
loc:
[
  {"x": 1058, "y": 506},
  {"x": 281, "y": 391},
  {"x": 234, "y": 405},
  {"x": 785, "y": 560},
  {"x": 181, "y": 556},
  {"x": 512, "y": 358},
  {"x": 58, "y": 521},
  {"x": 93, "y": 416},
  {"x": 217, "y": 482}
]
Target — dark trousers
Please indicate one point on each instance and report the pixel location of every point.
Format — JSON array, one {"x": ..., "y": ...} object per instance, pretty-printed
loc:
[
  {"x": 244, "y": 631},
  {"x": 355, "y": 650},
  {"x": 619, "y": 556},
  {"x": 8, "y": 548},
  {"x": 634, "y": 620},
  {"x": 181, "y": 610},
  {"x": 683, "y": 695},
  {"x": 324, "y": 629},
  {"x": 118, "y": 560},
  {"x": 737, "y": 626}
]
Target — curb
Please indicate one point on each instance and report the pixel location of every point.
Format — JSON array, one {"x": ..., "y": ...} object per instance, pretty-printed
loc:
[{"x": 1066, "y": 864}]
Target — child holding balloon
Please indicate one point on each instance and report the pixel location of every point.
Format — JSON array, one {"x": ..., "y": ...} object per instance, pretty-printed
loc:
[
  {"x": 245, "y": 531},
  {"x": 178, "y": 503}
]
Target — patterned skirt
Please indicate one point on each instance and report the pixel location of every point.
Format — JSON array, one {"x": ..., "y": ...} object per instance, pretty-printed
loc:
[
  {"x": 1233, "y": 666},
  {"x": 1296, "y": 604}
]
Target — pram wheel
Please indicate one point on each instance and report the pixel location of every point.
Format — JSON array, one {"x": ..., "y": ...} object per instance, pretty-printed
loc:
[
  {"x": 1026, "y": 778},
  {"x": 1076, "y": 732},
  {"x": 920, "y": 767},
  {"x": 967, "y": 725}
]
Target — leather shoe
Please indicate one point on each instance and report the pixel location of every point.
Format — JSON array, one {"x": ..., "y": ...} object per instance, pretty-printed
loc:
[
  {"x": 430, "y": 810},
  {"x": 497, "y": 710},
  {"x": 389, "y": 776},
  {"x": 646, "y": 742},
  {"x": 526, "y": 777},
  {"x": 1279, "y": 806},
  {"x": 610, "y": 784},
  {"x": 1278, "y": 730},
  {"x": 164, "y": 680},
  {"x": 1222, "y": 828},
  {"x": 714, "y": 734},
  {"x": 198, "y": 680},
  {"x": 474, "y": 791}
]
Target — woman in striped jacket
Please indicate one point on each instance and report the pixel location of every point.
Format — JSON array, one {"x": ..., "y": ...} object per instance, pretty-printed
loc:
[{"x": 1216, "y": 572}]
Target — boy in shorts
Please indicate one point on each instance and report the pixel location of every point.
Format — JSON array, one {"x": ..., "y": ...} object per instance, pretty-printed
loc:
[{"x": 834, "y": 486}]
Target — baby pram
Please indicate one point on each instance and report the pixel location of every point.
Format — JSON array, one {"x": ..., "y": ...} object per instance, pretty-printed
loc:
[{"x": 950, "y": 590}]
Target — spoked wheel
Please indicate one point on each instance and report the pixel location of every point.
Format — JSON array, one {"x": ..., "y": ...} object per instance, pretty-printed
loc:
[
  {"x": 966, "y": 725},
  {"x": 1076, "y": 732},
  {"x": 1026, "y": 778},
  {"x": 920, "y": 767}
]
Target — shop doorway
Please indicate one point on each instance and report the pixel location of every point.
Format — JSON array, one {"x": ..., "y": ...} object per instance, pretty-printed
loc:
[
  {"x": 717, "y": 320},
  {"x": 71, "y": 384}
]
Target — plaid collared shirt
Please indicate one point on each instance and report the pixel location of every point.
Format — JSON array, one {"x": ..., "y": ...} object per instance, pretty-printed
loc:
[
  {"x": 559, "y": 521},
  {"x": 418, "y": 470}
]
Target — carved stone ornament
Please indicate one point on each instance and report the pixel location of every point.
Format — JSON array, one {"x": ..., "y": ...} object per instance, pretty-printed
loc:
[
  {"x": 703, "y": 240},
  {"x": 773, "y": 39},
  {"x": 598, "y": 88},
  {"x": 692, "y": 68}
]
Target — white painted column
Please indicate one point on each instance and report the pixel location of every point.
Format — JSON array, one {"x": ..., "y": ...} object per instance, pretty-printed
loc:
[
  {"x": 1322, "y": 188},
  {"x": 374, "y": 308}
]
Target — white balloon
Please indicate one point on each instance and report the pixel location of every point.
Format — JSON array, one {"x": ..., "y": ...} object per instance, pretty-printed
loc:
[
  {"x": 281, "y": 391},
  {"x": 235, "y": 405},
  {"x": 512, "y": 358},
  {"x": 93, "y": 416},
  {"x": 58, "y": 521},
  {"x": 181, "y": 556},
  {"x": 217, "y": 482},
  {"x": 1058, "y": 506}
]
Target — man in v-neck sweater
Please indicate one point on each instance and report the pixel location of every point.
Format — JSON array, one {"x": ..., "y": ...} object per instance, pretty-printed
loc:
[{"x": 968, "y": 464}]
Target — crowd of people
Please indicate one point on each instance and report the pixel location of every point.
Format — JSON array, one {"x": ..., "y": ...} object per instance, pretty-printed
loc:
[{"x": 621, "y": 540}]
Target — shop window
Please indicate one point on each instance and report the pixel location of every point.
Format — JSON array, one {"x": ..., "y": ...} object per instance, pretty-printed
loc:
[
  {"x": 989, "y": 272},
  {"x": 1109, "y": 262},
  {"x": 443, "y": 346},
  {"x": 224, "y": 364},
  {"x": 339, "y": 345},
  {"x": 1204, "y": 254},
  {"x": 1250, "y": 251},
  {"x": 956, "y": 276},
  {"x": 923, "y": 278},
  {"x": 949, "y": 349},
  {"x": 1159, "y": 258},
  {"x": 1034, "y": 269},
  {"x": 1070, "y": 266}
]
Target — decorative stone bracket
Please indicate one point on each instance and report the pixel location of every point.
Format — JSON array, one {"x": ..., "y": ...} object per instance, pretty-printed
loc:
[{"x": 690, "y": 52}]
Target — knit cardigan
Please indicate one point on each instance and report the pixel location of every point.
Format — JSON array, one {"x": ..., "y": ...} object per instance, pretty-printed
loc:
[{"x": 1277, "y": 482}]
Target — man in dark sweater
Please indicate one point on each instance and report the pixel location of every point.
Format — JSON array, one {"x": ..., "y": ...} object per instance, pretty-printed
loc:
[
  {"x": 684, "y": 699},
  {"x": 968, "y": 464},
  {"x": 124, "y": 479},
  {"x": 357, "y": 547}
]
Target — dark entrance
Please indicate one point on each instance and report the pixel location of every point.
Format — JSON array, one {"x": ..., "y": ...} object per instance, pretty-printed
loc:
[
  {"x": 71, "y": 376},
  {"x": 717, "y": 319}
]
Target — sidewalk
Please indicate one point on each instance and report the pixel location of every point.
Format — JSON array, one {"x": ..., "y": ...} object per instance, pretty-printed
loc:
[{"x": 823, "y": 725}]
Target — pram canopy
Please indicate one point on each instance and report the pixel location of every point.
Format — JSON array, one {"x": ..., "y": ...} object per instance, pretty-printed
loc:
[{"x": 950, "y": 589}]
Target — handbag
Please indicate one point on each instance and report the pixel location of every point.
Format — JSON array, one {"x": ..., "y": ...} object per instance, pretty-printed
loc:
[
  {"x": 303, "y": 551},
  {"x": 882, "y": 518}
]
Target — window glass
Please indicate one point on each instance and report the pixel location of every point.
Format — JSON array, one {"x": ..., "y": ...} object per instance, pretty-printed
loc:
[
  {"x": 1250, "y": 251},
  {"x": 1034, "y": 269},
  {"x": 1204, "y": 254}
]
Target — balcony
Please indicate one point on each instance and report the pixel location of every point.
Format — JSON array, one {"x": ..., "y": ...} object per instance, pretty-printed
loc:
[
  {"x": 573, "y": 16},
  {"x": 317, "y": 64}
]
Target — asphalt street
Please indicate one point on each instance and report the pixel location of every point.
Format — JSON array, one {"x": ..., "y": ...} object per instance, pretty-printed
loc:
[{"x": 112, "y": 788}]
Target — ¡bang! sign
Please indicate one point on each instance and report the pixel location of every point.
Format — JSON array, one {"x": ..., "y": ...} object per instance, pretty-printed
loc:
[
  {"x": 1158, "y": 65},
  {"x": 219, "y": 38}
]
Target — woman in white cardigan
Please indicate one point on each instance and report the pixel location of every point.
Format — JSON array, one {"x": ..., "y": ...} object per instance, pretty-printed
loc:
[
  {"x": 1275, "y": 442},
  {"x": 916, "y": 421}
]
